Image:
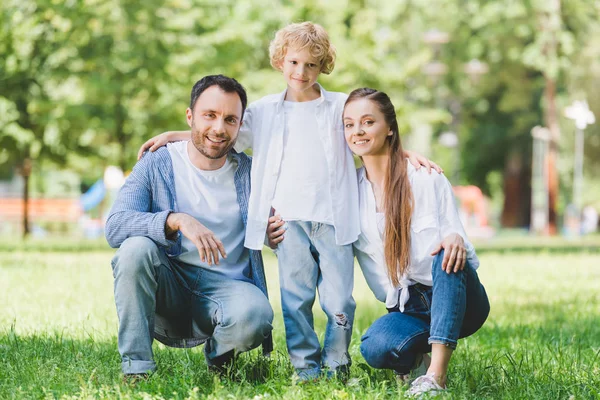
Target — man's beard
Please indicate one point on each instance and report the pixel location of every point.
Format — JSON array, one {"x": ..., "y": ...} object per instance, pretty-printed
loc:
[{"x": 199, "y": 141}]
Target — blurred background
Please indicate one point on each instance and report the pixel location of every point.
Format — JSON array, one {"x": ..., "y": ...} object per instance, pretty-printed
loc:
[{"x": 501, "y": 93}]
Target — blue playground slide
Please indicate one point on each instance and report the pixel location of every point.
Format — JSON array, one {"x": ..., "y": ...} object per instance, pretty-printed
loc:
[{"x": 93, "y": 196}]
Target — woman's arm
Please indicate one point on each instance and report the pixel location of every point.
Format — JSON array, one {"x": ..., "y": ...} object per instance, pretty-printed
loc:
[
  {"x": 456, "y": 245},
  {"x": 455, "y": 253}
]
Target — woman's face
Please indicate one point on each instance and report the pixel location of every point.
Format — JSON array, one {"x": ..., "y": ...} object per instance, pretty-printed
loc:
[{"x": 365, "y": 128}]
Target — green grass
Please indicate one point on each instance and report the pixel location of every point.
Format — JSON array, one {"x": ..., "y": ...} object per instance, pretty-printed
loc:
[{"x": 58, "y": 337}]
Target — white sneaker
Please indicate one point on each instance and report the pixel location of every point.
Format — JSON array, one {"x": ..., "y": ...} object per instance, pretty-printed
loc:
[
  {"x": 421, "y": 366},
  {"x": 425, "y": 384}
]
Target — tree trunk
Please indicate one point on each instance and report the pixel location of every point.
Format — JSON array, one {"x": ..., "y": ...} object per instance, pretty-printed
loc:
[
  {"x": 552, "y": 124},
  {"x": 517, "y": 192},
  {"x": 26, "y": 172},
  {"x": 550, "y": 51}
]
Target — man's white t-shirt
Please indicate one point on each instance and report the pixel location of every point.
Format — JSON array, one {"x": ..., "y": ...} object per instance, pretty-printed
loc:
[
  {"x": 211, "y": 198},
  {"x": 302, "y": 191}
]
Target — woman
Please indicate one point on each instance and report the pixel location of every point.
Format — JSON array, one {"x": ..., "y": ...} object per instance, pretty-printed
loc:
[{"x": 413, "y": 252}]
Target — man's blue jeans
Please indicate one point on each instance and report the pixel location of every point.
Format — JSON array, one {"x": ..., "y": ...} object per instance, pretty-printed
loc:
[
  {"x": 310, "y": 260},
  {"x": 455, "y": 307},
  {"x": 182, "y": 306}
]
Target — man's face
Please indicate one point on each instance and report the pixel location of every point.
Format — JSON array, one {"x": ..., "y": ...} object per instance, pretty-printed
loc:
[{"x": 215, "y": 122}]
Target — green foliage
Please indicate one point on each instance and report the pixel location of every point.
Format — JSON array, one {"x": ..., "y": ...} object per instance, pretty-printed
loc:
[
  {"x": 84, "y": 82},
  {"x": 59, "y": 327}
]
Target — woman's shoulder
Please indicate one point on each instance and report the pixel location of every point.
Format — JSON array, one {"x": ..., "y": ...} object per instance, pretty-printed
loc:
[{"x": 421, "y": 179}]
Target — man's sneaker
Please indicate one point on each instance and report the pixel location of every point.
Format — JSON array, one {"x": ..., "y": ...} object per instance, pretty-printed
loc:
[
  {"x": 134, "y": 379},
  {"x": 341, "y": 373},
  {"x": 425, "y": 384},
  {"x": 421, "y": 366}
]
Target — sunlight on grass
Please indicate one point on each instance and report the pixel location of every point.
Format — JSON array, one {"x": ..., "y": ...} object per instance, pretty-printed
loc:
[{"x": 59, "y": 326}]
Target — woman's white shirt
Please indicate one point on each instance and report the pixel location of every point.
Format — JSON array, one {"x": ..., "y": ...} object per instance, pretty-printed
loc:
[{"x": 434, "y": 217}]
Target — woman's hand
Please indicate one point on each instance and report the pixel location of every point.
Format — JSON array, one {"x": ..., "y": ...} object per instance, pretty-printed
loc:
[
  {"x": 417, "y": 160},
  {"x": 161, "y": 140},
  {"x": 275, "y": 230},
  {"x": 455, "y": 253}
]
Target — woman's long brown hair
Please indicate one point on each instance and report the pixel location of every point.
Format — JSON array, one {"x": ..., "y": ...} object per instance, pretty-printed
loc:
[{"x": 398, "y": 200}]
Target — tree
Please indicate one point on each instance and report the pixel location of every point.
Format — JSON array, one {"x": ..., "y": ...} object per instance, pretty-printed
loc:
[{"x": 38, "y": 41}]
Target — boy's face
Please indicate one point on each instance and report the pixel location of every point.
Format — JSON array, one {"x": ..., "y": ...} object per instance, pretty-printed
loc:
[{"x": 300, "y": 69}]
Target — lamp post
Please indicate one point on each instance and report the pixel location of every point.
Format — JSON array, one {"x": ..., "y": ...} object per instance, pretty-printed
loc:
[
  {"x": 540, "y": 190},
  {"x": 435, "y": 39},
  {"x": 583, "y": 116}
]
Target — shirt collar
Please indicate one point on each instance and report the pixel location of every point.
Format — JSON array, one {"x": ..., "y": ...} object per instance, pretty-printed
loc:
[
  {"x": 235, "y": 155},
  {"x": 361, "y": 175},
  {"x": 281, "y": 97},
  {"x": 362, "y": 172}
]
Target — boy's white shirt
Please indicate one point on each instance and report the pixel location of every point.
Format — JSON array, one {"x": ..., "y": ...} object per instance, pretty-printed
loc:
[
  {"x": 434, "y": 217},
  {"x": 263, "y": 131},
  {"x": 302, "y": 190}
]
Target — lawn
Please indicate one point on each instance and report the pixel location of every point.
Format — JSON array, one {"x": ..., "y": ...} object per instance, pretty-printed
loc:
[{"x": 58, "y": 330}]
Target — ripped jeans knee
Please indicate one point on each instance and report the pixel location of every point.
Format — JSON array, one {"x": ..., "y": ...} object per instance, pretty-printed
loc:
[{"x": 341, "y": 320}]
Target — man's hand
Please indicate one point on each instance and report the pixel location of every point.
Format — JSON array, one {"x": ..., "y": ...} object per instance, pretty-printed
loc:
[
  {"x": 455, "y": 253},
  {"x": 417, "y": 160},
  {"x": 208, "y": 245},
  {"x": 275, "y": 230}
]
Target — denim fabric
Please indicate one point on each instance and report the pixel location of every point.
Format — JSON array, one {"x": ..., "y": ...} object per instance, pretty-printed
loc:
[
  {"x": 148, "y": 196},
  {"x": 182, "y": 306},
  {"x": 309, "y": 260},
  {"x": 455, "y": 307}
]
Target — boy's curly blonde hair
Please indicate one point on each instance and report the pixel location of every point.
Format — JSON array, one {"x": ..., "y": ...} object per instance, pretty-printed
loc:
[{"x": 300, "y": 36}]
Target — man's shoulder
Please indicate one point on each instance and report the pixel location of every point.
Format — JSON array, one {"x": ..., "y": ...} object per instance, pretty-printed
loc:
[
  {"x": 160, "y": 158},
  {"x": 243, "y": 159}
]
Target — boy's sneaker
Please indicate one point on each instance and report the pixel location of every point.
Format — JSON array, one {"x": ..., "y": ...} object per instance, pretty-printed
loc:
[
  {"x": 302, "y": 376},
  {"x": 424, "y": 385},
  {"x": 421, "y": 366}
]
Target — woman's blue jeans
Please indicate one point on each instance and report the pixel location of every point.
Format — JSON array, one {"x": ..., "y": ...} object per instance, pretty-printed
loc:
[{"x": 455, "y": 307}]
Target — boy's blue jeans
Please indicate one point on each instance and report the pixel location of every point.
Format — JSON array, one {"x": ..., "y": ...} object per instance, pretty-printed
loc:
[
  {"x": 310, "y": 260},
  {"x": 182, "y": 306},
  {"x": 455, "y": 307}
]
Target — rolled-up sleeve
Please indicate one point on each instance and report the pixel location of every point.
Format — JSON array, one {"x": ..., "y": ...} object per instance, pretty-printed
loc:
[
  {"x": 131, "y": 213},
  {"x": 449, "y": 219}
]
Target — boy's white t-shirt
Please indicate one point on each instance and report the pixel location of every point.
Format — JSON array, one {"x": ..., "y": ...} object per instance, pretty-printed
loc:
[
  {"x": 211, "y": 198},
  {"x": 302, "y": 190}
]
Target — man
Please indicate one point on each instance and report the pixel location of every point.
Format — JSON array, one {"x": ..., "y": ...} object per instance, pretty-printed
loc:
[{"x": 182, "y": 274}]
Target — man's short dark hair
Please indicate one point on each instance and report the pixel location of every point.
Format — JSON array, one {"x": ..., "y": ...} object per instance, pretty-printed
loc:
[{"x": 227, "y": 84}]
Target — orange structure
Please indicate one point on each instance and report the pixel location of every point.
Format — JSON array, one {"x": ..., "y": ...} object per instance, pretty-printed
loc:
[{"x": 472, "y": 202}]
